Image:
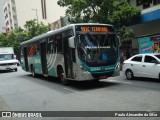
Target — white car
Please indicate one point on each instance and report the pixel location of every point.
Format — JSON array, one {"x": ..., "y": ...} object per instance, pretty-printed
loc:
[{"x": 142, "y": 65}]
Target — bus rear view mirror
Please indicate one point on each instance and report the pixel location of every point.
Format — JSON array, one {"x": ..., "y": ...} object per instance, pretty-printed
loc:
[{"x": 71, "y": 42}]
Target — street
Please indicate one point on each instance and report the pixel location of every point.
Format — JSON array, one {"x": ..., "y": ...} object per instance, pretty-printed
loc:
[{"x": 20, "y": 92}]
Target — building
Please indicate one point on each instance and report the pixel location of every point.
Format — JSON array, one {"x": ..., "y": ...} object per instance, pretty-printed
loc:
[
  {"x": 147, "y": 28},
  {"x": 17, "y": 12},
  {"x": 63, "y": 21}
]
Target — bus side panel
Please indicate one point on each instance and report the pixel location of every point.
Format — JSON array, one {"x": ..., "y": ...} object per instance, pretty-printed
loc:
[
  {"x": 37, "y": 64},
  {"x": 26, "y": 59},
  {"x": 51, "y": 58}
]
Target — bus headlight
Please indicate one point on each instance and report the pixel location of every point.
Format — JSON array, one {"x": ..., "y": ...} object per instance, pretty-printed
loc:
[{"x": 83, "y": 68}]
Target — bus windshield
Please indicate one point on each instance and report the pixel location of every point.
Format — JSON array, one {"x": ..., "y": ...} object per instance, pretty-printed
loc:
[
  {"x": 6, "y": 57},
  {"x": 96, "y": 47}
]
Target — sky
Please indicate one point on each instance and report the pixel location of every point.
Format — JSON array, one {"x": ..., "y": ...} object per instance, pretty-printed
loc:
[{"x": 61, "y": 12}]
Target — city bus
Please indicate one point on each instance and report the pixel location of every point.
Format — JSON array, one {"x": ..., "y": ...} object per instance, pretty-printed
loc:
[{"x": 83, "y": 51}]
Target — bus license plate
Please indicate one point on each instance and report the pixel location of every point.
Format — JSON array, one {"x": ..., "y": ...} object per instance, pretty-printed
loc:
[{"x": 102, "y": 77}]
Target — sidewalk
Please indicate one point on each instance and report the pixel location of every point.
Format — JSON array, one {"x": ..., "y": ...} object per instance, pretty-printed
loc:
[{"x": 3, "y": 105}]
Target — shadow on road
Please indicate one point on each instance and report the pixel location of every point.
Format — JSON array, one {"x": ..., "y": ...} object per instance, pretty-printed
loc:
[
  {"x": 87, "y": 85},
  {"x": 145, "y": 79},
  {"x": 78, "y": 85},
  {"x": 6, "y": 71}
]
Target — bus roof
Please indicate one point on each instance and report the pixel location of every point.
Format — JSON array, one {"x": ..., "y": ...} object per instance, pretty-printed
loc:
[{"x": 44, "y": 35}]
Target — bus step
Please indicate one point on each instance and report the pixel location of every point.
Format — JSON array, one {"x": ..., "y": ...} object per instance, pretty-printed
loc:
[{"x": 45, "y": 75}]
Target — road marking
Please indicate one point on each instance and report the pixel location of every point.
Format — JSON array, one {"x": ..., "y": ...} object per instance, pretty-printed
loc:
[
  {"x": 71, "y": 90},
  {"x": 117, "y": 81}
]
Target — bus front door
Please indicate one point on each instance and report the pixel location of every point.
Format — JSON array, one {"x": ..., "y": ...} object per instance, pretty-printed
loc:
[
  {"x": 43, "y": 58},
  {"x": 68, "y": 58},
  {"x": 25, "y": 50}
]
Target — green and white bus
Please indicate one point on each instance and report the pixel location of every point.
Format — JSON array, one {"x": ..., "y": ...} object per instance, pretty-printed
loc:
[{"x": 84, "y": 51}]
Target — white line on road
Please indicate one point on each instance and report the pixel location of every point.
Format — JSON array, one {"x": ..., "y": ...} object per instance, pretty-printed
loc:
[
  {"x": 118, "y": 81},
  {"x": 71, "y": 90}
]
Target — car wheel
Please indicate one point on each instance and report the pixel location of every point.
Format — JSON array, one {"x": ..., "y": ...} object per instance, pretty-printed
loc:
[
  {"x": 129, "y": 75},
  {"x": 15, "y": 69}
]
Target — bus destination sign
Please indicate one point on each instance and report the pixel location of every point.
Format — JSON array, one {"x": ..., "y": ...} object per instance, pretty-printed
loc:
[{"x": 94, "y": 28}]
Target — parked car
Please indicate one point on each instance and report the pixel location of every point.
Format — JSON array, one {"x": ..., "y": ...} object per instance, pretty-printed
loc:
[{"x": 142, "y": 65}]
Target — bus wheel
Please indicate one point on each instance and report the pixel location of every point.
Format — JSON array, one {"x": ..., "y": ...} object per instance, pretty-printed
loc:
[
  {"x": 33, "y": 72},
  {"x": 61, "y": 76}
]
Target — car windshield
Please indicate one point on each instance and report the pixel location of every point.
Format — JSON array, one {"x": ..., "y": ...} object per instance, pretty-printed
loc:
[
  {"x": 96, "y": 47},
  {"x": 6, "y": 57},
  {"x": 158, "y": 56}
]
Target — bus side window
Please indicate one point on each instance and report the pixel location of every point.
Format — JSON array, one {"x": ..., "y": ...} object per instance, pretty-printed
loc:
[
  {"x": 50, "y": 45},
  {"x": 58, "y": 41}
]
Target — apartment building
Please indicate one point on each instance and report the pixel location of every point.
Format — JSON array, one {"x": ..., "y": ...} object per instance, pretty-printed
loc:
[
  {"x": 17, "y": 12},
  {"x": 147, "y": 28}
]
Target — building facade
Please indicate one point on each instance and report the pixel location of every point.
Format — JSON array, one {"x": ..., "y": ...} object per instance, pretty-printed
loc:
[
  {"x": 10, "y": 14},
  {"x": 147, "y": 28},
  {"x": 17, "y": 12}
]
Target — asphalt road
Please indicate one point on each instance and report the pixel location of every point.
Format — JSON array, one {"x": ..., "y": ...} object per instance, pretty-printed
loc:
[{"x": 20, "y": 92}]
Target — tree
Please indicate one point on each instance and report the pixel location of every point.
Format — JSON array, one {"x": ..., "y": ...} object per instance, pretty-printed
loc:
[
  {"x": 34, "y": 28},
  {"x": 117, "y": 12},
  {"x": 18, "y": 35},
  {"x": 123, "y": 14}
]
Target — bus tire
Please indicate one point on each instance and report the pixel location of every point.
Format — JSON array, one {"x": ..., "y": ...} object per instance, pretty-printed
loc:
[
  {"x": 33, "y": 72},
  {"x": 61, "y": 76}
]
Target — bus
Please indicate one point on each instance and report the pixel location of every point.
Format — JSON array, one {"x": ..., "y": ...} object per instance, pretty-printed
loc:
[{"x": 82, "y": 51}]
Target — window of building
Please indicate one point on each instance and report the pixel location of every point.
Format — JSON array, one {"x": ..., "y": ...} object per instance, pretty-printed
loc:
[
  {"x": 137, "y": 59},
  {"x": 139, "y": 2},
  {"x": 155, "y": 2},
  {"x": 146, "y": 5},
  {"x": 7, "y": 23}
]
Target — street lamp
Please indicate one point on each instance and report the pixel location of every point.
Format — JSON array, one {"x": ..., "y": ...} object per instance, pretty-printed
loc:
[{"x": 36, "y": 14}]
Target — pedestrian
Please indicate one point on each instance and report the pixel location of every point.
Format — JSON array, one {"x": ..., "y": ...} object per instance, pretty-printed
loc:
[{"x": 127, "y": 54}]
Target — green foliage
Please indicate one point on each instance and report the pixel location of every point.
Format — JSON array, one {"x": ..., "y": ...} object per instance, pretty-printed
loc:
[
  {"x": 123, "y": 14},
  {"x": 125, "y": 36},
  {"x": 33, "y": 28},
  {"x": 13, "y": 39},
  {"x": 116, "y": 12}
]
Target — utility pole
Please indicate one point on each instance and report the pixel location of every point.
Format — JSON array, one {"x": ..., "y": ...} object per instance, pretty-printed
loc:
[{"x": 36, "y": 14}]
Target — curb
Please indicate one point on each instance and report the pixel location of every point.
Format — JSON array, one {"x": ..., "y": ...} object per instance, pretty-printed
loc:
[{"x": 3, "y": 105}]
